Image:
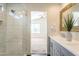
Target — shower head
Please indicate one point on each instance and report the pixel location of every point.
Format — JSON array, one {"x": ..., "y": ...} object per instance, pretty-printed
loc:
[{"x": 13, "y": 11}]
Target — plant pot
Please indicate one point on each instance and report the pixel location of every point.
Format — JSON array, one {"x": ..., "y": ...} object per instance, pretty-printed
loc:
[{"x": 69, "y": 36}]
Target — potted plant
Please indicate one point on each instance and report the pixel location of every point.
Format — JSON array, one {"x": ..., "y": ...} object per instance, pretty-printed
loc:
[{"x": 68, "y": 25}]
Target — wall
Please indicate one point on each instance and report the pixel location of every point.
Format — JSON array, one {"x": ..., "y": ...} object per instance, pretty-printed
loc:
[
  {"x": 14, "y": 35},
  {"x": 53, "y": 19},
  {"x": 63, "y": 5},
  {"x": 2, "y": 30}
]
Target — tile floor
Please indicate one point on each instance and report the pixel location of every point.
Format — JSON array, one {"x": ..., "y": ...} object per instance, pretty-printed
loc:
[
  {"x": 39, "y": 46},
  {"x": 41, "y": 54}
]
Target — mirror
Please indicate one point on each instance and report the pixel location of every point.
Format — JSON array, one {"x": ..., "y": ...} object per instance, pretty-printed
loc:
[{"x": 70, "y": 8}]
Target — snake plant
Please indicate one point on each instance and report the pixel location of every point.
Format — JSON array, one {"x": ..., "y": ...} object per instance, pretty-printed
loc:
[{"x": 69, "y": 22}]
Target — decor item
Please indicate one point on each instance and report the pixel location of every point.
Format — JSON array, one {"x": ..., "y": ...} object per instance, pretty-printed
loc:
[
  {"x": 70, "y": 7},
  {"x": 69, "y": 23}
]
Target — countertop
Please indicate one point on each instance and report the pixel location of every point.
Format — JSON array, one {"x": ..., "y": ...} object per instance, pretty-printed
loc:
[{"x": 72, "y": 46}]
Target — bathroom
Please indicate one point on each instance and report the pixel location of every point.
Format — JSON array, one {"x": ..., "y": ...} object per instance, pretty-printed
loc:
[{"x": 15, "y": 28}]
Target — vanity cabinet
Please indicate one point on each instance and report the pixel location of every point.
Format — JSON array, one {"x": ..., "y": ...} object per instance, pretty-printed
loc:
[
  {"x": 65, "y": 52},
  {"x": 58, "y": 50}
]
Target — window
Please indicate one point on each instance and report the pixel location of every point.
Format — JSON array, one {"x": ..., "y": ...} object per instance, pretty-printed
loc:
[{"x": 35, "y": 28}]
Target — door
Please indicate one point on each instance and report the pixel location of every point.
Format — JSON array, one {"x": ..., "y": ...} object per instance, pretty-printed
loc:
[{"x": 39, "y": 32}]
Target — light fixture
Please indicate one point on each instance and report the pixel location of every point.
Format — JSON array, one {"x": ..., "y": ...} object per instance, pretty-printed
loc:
[{"x": 13, "y": 11}]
